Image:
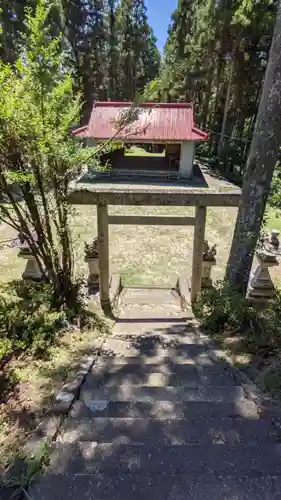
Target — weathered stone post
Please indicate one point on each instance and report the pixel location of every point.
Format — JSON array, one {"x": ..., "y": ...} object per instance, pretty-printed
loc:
[
  {"x": 260, "y": 284},
  {"x": 102, "y": 220},
  {"x": 209, "y": 260},
  {"x": 32, "y": 270},
  {"x": 92, "y": 258},
  {"x": 198, "y": 249}
]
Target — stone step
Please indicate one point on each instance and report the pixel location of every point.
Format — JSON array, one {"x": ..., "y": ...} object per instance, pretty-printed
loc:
[
  {"x": 132, "y": 365},
  {"x": 160, "y": 486},
  {"x": 161, "y": 339},
  {"x": 192, "y": 460},
  {"x": 230, "y": 431},
  {"x": 187, "y": 378},
  {"x": 168, "y": 331},
  {"x": 217, "y": 373},
  {"x": 151, "y": 346},
  {"x": 165, "y": 374},
  {"x": 148, "y": 296},
  {"x": 164, "y": 409},
  {"x": 157, "y": 362},
  {"x": 168, "y": 326},
  {"x": 132, "y": 392},
  {"x": 155, "y": 312}
]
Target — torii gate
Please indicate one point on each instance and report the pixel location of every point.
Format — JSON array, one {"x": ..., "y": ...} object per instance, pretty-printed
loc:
[{"x": 103, "y": 194}]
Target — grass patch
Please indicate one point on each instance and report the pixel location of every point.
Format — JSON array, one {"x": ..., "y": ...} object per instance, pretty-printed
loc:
[
  {"x": 32, "y": 383},
  {"x": 32, "y": 468},
  {"x": 273, "y": 219},
  {"x": 136, "y": 151}
]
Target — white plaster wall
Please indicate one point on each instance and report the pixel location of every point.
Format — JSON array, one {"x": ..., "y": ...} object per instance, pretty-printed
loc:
[{"x": 186, "y": 160}]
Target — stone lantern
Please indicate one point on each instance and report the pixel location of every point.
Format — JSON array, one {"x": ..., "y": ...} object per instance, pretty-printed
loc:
[
  {"x": 92, "y": 258},
  {"x": 32, "y": 270},
  {"x": 260, "y": 284},
  {"x": 209, "y": 260}
]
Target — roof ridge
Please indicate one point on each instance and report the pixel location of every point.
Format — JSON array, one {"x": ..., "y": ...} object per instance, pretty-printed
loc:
[{"x": 123, "y": 104}]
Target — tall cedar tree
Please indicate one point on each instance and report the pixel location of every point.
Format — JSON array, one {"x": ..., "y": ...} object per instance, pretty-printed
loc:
[
  {"x": 139, "y": 56},
  {"x": 216, "y": 55},
  {"x": 113, "y": 52},
  {"x": 127, "y": 66},
  {"x": 264, "y": 153},
  {"x": 111, "y": 48},
  {"x": 11, "y": 27}
]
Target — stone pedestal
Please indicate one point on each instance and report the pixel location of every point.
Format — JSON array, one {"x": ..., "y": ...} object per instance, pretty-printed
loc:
[
  {"x": 94, "y": 275},
  {"x": 32, "y": 271},
  {"x": 260, "y": 284},
  {"x": 207, "y": 265}
]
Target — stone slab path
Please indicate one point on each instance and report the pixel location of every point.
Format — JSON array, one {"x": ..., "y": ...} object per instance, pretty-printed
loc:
[{"x": 159, "y": 419}]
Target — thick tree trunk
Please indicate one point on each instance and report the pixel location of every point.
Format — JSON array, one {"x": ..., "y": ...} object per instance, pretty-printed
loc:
[{"x": 262, "y": 158}]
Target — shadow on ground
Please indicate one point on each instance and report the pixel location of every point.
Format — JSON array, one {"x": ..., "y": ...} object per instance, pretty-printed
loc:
[{"x": 160, "y": 417}]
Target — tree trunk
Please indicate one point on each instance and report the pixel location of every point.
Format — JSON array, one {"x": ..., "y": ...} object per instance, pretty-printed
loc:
[
  {"x": 216, "y": 115},
  {"x": 207, "y": 97},
  {"x": 225, "y": 111},
  {"x": 262, "y": 158}
]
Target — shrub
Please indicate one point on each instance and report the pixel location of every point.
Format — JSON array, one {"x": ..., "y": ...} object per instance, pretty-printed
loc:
[
  {"x": 275, "y": 198},
  {"x": 222, "y": 307},
  {"x": 27, "y": 320},
  {"x": 223, "y": 310}
]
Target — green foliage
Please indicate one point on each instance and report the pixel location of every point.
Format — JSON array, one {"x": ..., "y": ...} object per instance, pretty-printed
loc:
[
  {"x": 223, "y": 307},
  {"x": 37, "y": 152},
  {"x": 271, "y": 324},
  {"x": 275, "y": 195},
  {"x": 28, "y": 322},
  {"x": 31, "y": 468},
  {"x": 223, "y": 311}
]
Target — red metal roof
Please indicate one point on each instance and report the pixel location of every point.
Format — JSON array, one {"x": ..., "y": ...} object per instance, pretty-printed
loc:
[{"x": 162, "y": 122}]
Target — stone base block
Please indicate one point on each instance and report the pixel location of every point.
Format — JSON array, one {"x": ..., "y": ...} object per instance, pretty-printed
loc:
[
  {"x": 260, "y": 284},
  {"x": 206, "y": 283},
  {"x": 115, "y": 288},
  {"x": 183, "y": 288},
  {"x": 93, "y": 281},
  {"x": 261, "y": 292},
  {"x": 32, "y": 271}
]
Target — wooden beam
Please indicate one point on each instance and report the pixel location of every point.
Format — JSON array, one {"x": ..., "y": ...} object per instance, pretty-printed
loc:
[
  {"x": 102, "y": 220},
  {"x": 198, "y": 248},
  {"x": 143, "y": 220}
]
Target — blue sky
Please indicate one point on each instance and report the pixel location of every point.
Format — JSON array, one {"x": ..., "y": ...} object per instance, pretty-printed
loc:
[{"x": 159, "y": 15}]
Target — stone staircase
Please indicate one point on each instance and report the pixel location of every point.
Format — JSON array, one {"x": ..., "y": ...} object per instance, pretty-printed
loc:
[{"x": 159, "y": 419}]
